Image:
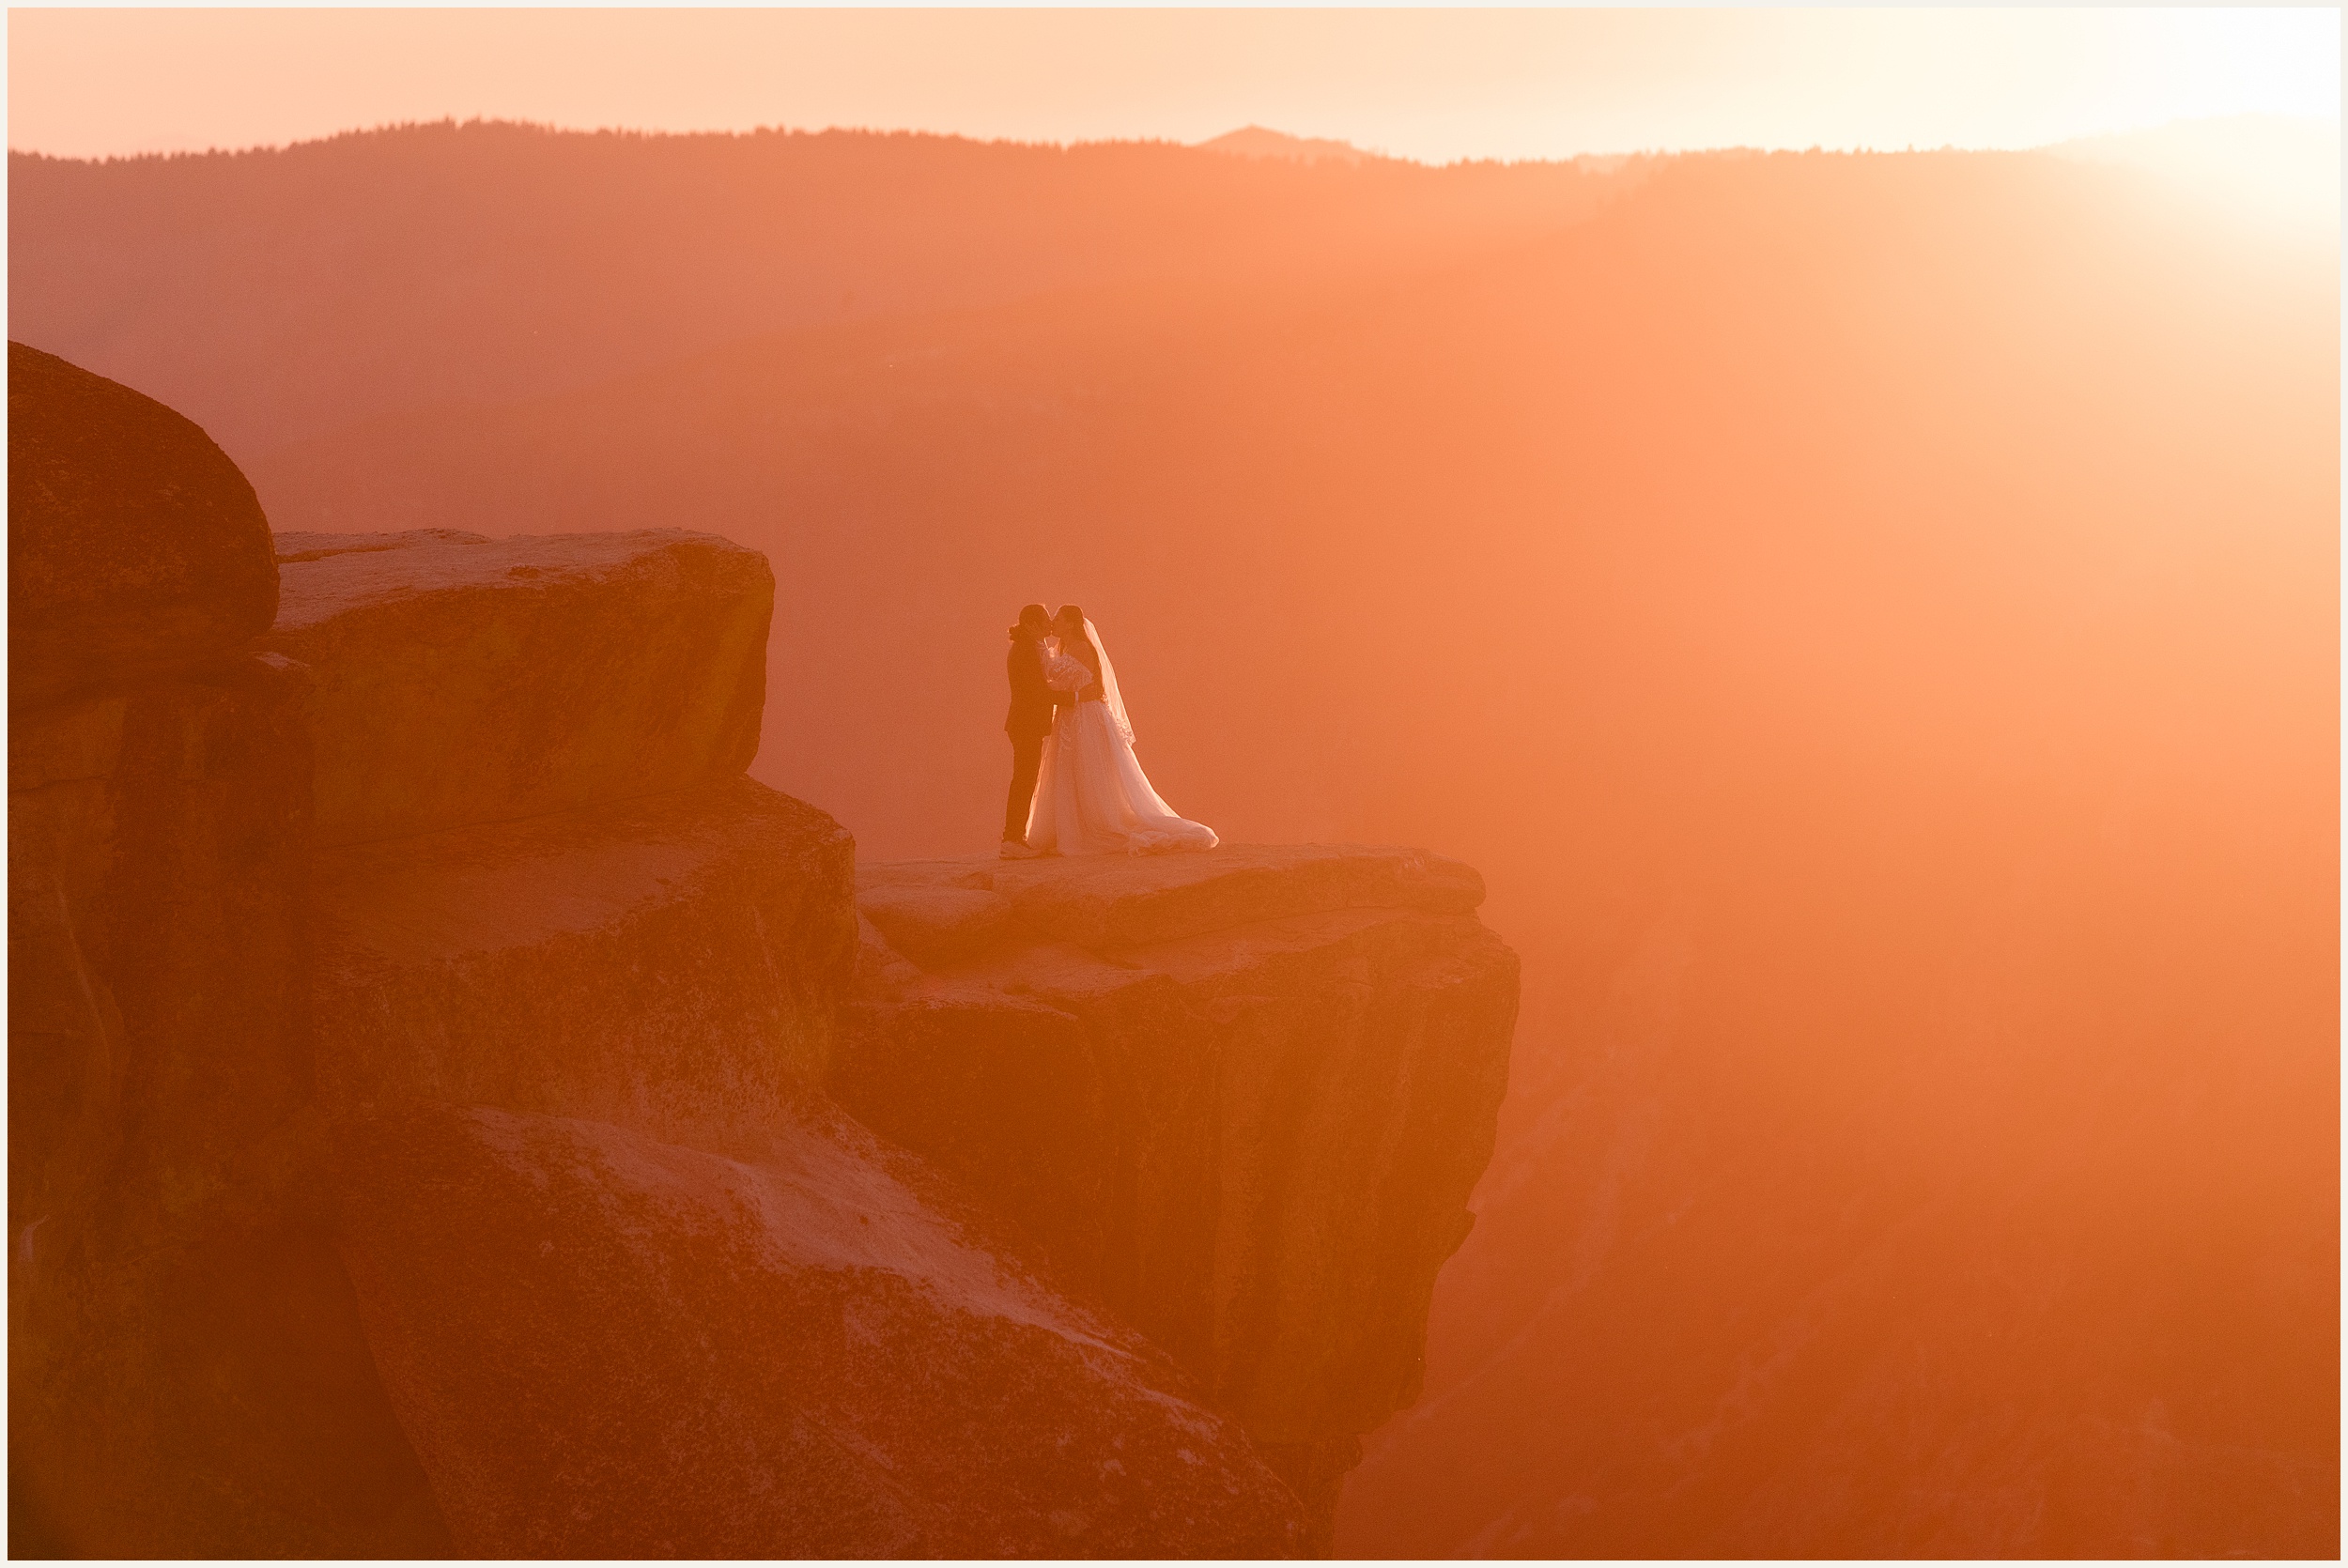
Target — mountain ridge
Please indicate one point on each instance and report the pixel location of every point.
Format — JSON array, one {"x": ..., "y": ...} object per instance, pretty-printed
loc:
[
  {"x": 1256, "y": 141},
  {"x": 377, "y": 270}
]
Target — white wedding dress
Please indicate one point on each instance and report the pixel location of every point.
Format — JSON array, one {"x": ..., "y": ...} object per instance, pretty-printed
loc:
[{"x": 1092, "y": 797}]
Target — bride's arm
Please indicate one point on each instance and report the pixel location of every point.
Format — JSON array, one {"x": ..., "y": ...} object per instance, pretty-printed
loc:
[{"x": 1087, "y": 684}]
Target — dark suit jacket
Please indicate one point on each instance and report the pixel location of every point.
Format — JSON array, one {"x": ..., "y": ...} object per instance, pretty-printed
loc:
[{"x": 1032, "y": 701}]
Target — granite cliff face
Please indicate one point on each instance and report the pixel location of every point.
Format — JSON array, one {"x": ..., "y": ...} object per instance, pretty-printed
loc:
[
  {"x": 1241, "y": 1095},
  {"x": 188, "y": 1372},
  {"x": 428, "y": 1062}
]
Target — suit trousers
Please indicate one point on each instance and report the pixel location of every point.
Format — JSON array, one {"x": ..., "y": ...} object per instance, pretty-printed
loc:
[{"x": 1026, "y": 759}]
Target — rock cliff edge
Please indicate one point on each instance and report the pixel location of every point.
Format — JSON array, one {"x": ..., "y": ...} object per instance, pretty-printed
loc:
[
  {"x": 1241, "y": 1096},
  {"x": 455, "y": 1111}
]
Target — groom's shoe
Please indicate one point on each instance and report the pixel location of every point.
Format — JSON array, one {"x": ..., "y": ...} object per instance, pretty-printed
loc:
[{"x": 1019, "y": 848}]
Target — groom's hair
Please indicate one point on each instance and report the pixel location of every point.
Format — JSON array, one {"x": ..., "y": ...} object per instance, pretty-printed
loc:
[{"x": 1030, "y": 617}]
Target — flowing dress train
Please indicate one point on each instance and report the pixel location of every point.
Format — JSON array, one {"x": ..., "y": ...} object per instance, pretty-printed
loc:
[{"x": 1092, "y": 797}]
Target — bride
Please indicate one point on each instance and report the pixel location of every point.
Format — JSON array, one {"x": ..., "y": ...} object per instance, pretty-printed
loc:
[{"x": 1092, "y": 797}]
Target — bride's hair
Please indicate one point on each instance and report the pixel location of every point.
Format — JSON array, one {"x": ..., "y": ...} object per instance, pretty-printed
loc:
[{"x": 1074, "y": 617}]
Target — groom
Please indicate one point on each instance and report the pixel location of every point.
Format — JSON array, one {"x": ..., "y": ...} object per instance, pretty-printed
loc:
[{"x": 1029, "y": 721}]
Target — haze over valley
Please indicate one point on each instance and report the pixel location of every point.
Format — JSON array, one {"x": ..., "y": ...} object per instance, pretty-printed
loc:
[{"x": 1872, "y": 619}]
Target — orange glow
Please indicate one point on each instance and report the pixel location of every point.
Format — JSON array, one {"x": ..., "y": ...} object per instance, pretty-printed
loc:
[
  {"x": 1428, "y": 85},
  {"x": 1872, "y": 617}
]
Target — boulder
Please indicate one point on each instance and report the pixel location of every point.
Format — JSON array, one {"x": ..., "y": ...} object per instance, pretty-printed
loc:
[
  {"x": 1242, "y": 1095},
  {"x": 136, "y": 549},
  {"x": 671, "y": 964},
  {"x": 463, "y": 679},
  {"x": 609, "y": 1346}
]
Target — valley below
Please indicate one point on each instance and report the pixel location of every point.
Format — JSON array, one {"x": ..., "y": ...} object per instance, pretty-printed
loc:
[{"x": 1869, "y": 621}]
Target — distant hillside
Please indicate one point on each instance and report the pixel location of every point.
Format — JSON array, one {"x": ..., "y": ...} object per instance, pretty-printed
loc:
[
  {"x": 1254, "y": 141},
  {"x": 275, "y": 294}
]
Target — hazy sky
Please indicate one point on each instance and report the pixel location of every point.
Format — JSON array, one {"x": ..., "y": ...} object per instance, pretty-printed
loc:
[{"x": 1434, "y": 85}]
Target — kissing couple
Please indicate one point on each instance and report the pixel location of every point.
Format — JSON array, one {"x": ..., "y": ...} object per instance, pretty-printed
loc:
[{"x": 1075, "y": 785}]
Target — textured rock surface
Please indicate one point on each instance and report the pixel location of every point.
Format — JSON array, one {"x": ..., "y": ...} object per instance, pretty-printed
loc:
[
  {"x": 611, "y": 1346},
  {"x": 634, "y": 1285},
  {"x": 678, "y": 1305},
  {"x": 669, "y": 964},
  {"x": 467, "y": 1185},
  {"x": 466, "y": 680},
  {"x": 135, "y": 547},
  {"x": 187, "y": 1369},
  {"x": 1243, "y": 1095}
]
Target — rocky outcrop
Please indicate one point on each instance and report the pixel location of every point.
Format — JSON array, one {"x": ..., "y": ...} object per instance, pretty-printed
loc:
[
  {"x": 611, "y": 1346},
  {"x": 601, "y": 1224},
  {"x": 1243, "y": 1094},
  {"x": 423, "y": 1049},
  {"x": 621, "y": 1265},
  {"x": 563, "y": 672},
  {"x": 179, "y": 573},
  {"x": 417, "y": 1147}
]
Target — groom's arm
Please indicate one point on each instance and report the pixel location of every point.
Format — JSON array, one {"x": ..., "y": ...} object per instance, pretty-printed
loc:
[{"x": 1060, "y": 698}]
